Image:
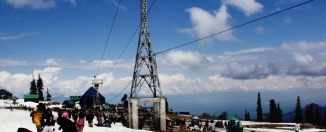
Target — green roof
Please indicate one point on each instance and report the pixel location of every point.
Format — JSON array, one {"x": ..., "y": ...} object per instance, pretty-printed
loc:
[
  {"x": 31, "y": 96},
  {"x": 75, "y": 98},
  {"x": 69, "y": 102}
]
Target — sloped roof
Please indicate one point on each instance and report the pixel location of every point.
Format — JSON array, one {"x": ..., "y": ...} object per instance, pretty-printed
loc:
[
  {"x": 75, "y": 98},
  {"x": 3, "y": 91},
  {"x": 91, "y": 91},
  {"x": 69, "y": 102},
  {"x": 31, "y": 96}
]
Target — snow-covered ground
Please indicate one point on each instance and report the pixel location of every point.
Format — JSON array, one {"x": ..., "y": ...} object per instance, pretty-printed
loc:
[{"x": 10, "y": 121}]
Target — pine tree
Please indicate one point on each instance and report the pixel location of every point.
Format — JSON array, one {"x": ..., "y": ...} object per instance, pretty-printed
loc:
[
  {"x": 166, "y": 105},
  {"x": 317, "y": 118},
  {"x": 40, "y": 87},
  {"x": 324, "y": 124},
  {"x": 259, "y": 110},
  {"x": 279, "y": 113},
  {"x": 298, "y": 111},
  {"x": 309, "y": 114},
  {"x": 33, "y": 89},
  {"x": 48, "y": 96},
  {"x": 272, "y": 111},
  {"x": 246, "y": 116}
]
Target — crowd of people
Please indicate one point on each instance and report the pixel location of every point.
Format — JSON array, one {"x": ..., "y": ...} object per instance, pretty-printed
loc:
[{"x": 73, "y": 120}]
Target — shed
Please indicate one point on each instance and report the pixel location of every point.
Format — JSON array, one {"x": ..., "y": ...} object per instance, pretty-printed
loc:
[
  {"x": 4, "y": 94},
  {"x": 31, "y": 98},
  {"x": 68, "y": 103}
]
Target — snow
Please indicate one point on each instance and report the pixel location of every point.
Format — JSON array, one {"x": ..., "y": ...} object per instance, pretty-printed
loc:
[{"x": 10, "y": 121}]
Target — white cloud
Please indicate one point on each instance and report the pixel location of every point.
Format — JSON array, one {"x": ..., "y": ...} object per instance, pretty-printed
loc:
[
  {"x": 272, "y": 82},
  {"x": 122, "y": 7},
  {"x": 307, "y": 65},
  {"x": 206, "y": 24},
  {"x": 286, "y": 20},
  {"x": 250, "y": 71},
  {"x": 34, "y": 4},
  {"x": 51, "y": 62},
  {"x": 13, "y": 37},
  {"x": 253, "y": 50},
  {"x": 249, "y": 7},
  {"x": 259, "y": 29},
  {"x": 10, "y": 62},
  {"x": 308, "y": 58},
  {"x": 303, "y": 47},
  {"x": 71, "y": 1},
  {"x": 186, "y": 59},
  {"x": 82, "y": 61}
]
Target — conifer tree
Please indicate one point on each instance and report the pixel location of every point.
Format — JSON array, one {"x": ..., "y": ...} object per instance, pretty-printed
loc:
[
  {"x": 318, "y": 120},
  {"x": 324, "y": 124},
  {"x": 298, "y": 111},
  {"x": 272, "y": 111},
  {"x": 166, "y": 105},
  {"x": 48, "y": 96},
  {"x": 279, "y": 113},
  {"x": 40, "y": 87},
  {"x": 259, "y": 110},
  {"x": 309, "y": 114},
  {"x": 33, "y": 89},
  {"x": 247, "y": 115}
]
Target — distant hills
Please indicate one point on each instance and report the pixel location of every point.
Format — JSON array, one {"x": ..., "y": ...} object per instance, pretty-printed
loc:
[{"x": 289, "y": 117}]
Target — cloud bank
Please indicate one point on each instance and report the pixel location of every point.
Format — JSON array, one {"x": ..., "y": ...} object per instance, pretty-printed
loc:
[{"x": 291, "y": 66}]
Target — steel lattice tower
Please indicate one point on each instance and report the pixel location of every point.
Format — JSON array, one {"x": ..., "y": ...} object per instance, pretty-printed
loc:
[{"x": 145, "y": 70}]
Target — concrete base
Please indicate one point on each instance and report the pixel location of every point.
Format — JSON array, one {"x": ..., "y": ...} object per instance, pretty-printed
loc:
[{"x": 159, "y": 108}]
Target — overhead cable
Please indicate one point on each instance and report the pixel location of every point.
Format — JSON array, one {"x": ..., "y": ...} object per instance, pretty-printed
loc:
[{"x": 107, "y": 40}]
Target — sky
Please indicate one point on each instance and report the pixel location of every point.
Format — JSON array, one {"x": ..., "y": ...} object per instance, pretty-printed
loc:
[{"x": 68, "y": 42}]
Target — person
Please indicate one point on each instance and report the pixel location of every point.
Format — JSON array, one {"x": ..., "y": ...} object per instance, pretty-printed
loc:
[
  {"x": 89, "y": 117},
  {"x": 80, "y": 123},
  {"x": 65, "y": 115},
  {"x": 99, "y": 116},
  {"x": 75, "y": 115},
  {"x": 48, "y": 128},
  {"x": 23, "y": 130},
  {"x": 37, "y": 116},
  {"x": 297, "y": 127},
  {"x": 10, "y": 107},
  {"x": 66, "y": 124},
  {"x": 48, "y": 117},
  {"x": 107, "y": 123},
  {"x": 212, "y": 126}
]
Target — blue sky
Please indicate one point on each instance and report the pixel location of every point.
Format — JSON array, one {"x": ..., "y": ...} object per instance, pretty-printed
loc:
[{"x": 63, "y": 40}]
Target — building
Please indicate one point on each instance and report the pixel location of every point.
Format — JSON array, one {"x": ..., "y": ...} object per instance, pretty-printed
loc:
[
  {"x": 32, "y": 98},
  {"x": 89, "y": 97},
  {"x": 71, "y": 103},
  {"x": 4, "y": 94}
]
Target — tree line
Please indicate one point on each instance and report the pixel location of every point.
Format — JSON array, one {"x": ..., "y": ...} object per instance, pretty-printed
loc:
[{"x": 312, "y": 113}]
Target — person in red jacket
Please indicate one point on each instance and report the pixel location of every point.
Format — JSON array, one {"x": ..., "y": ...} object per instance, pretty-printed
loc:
[{"x": 80, "y": 123}]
